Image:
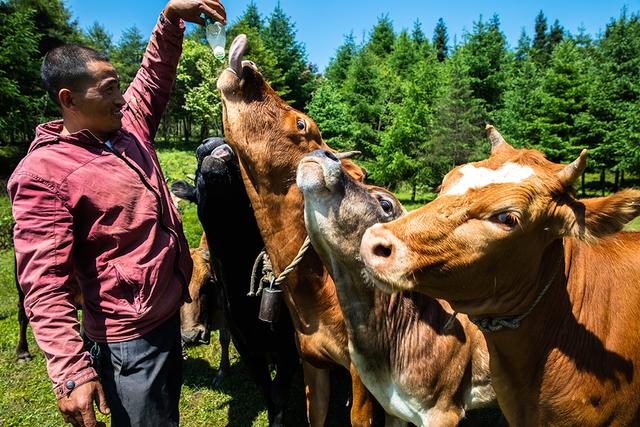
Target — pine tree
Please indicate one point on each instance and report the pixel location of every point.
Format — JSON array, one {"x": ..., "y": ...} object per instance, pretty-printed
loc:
[
  {"x": 299, "y": 75},
  {"x": 336, "y": 71},
  {"x": 252, "y": 18},
  {"x": 415, "y": 79},
  {"x": 458, "y": 135},
  {"x": 545, "y": 40},
  {"x": 332, "y": 115},
  {"x": 127, "y": 56},
  {"x": 540, "y": 29},
  {"x": 52, "y": 21},
  {"x": 382, "y": 37},
  {"x": 99, "y": 38},
  {"x": 417, "y": 35},
  {"x": 485, "y": 55},
  {"x": 523, "y": 47},
  {"x": 21, "y": 97},
  {"x": 615, "y": 100},
  {"x": 251, "y": 24},
  {"x": 363, "y": 94},
  {"x": 544, "y": 108},
  {"x": 441, "y": 40}
]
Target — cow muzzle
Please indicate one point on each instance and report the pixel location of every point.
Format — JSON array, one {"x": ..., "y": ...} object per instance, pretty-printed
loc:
[
  {"x": 319, "y": 170},
  {"x": 385, "y": 258},
  {"x": 197, "y": 335}
]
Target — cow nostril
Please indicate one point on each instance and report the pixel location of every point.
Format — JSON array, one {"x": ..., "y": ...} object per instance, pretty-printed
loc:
[
  {"x": 383, "y": 251},
  {"x": 331, "y": 156}
]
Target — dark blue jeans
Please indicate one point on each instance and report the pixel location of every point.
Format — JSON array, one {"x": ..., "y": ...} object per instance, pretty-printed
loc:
[{"x": 142, "y": 377}]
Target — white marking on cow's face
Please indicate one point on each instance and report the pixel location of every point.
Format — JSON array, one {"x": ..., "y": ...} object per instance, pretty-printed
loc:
[{"x": 474, "y": 177}]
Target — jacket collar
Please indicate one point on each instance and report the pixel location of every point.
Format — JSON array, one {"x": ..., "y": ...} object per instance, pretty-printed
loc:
[{"x": 50, "y": 133}]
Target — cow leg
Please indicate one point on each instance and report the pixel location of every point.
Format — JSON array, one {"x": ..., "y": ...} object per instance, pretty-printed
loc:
[
  {"x": 391, "y": 421},
  {"x": 225, "y": 364},
  {"x": 22, "y": 349},
  {"x": 365, "y": 409},
  {"x": 286, "y": 366},
  {"x": 318, "y": 390}
]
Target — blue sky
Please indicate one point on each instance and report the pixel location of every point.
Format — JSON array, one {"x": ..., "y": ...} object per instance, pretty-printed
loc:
[{"x": 321, "y": 25}]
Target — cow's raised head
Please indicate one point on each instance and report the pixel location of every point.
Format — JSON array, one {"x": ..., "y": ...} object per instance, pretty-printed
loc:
[
  {"x": 482, "y": 241},
  {"x": 338, "y": 208},
  {"x": 269, "y": 135},
  {"x": 195, "y": 325}
]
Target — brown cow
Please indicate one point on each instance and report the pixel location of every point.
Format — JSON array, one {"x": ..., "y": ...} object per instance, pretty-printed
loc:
[
  {"x": 420, "y": 370},
  {"x": 270, "y": 138},
  {"x": 550, "y": 279},
  {"x": 205, "y": 312}
]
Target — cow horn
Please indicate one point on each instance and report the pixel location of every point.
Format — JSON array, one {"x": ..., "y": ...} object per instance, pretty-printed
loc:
[
  {"x": 347, "y": 154},
  {"x": 236, "y": 52},
  {"x": 571, "y": 172},
  {"x": 497, "y": 141}
]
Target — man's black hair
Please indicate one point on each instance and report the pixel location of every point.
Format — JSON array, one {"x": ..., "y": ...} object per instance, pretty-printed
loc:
[{"x": 66, "y": 66}]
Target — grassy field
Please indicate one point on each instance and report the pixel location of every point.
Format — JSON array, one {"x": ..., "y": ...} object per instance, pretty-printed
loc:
[{"x": 27, "y": 400}]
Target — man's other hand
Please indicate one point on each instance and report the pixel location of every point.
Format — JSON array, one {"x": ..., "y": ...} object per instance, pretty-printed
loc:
[
  {"x": 191, "y": 11},
  {"x": 77, "y": 408}
]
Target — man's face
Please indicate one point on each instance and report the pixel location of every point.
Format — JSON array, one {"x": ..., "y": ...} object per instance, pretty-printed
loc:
[{"x": 99, "y": 107}]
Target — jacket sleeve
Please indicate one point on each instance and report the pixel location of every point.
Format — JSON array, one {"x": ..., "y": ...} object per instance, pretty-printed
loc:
[
  {"x": 43, "y": 239},
  {"x": 148, "y": 93}
]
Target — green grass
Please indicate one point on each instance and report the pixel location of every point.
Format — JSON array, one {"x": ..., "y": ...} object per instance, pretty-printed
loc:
[{"x": 633, "y": 225}]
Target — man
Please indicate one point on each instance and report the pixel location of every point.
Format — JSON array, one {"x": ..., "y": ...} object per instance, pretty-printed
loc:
[{"x": 90, "y": 203}]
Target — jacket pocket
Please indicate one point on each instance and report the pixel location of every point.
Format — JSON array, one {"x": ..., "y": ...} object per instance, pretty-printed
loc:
[{"x": 129, "y": 285}]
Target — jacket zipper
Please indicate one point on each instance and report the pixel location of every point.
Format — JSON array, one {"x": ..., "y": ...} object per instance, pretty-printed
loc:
[{"x": 172, "y": 233}]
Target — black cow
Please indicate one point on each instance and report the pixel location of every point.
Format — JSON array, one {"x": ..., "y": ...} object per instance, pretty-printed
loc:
[{"x": 234, "y": 243}]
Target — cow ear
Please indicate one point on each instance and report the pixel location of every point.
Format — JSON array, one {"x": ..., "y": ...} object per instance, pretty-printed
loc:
[
  {"x": 593, "y": 219},
  {"x": 184, "y": 190},
  {"x": 353, "y": 170}
]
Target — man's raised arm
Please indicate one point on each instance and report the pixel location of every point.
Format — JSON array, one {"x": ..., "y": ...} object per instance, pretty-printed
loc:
[{"x": 149, "y": 92}]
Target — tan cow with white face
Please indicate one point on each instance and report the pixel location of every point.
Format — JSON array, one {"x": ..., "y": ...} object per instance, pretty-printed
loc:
[{"x": 550, "y": 279}]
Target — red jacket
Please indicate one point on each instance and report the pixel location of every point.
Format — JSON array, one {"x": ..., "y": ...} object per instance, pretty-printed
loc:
[{"x": 105, "y": 219}]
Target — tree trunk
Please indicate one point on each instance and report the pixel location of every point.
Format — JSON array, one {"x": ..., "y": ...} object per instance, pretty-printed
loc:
[
  {"x": 616, "y": 181},
  {"x": 621, "y": 179},
  {"x": 602, "y": 182},
  {"x": 187, "y": 130}
]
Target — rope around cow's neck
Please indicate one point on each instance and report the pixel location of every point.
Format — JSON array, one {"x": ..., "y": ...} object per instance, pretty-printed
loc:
[
  {"x": 495, "y": 324},
  {"x": 283, "y": 275}
]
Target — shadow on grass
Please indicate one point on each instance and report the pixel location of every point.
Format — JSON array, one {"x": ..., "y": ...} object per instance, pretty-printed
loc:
[{"x": 246, "y": 402}]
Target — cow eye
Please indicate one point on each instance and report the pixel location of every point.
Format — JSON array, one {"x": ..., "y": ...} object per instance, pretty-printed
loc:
[
  {"x": 386, "y": 206},
  {"x": 301, "y": 124},
  {"x": 507, "y": 220}
]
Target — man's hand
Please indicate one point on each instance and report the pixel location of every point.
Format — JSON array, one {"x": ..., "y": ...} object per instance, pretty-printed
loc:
[
  {"x": 77, "y": 408},
  {"x": 191, "y": 11}
]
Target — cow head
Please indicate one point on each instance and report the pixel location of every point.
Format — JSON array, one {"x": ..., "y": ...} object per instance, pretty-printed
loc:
[
  {"x": 269, "y": 135},
  {"x": 195, "y": 326},
  {"x": 481, "y": 242},
  {"x": 338, "y": 208}
]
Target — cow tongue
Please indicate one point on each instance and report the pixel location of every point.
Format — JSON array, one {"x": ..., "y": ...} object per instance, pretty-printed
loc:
[{"x": 236, "y": 52}]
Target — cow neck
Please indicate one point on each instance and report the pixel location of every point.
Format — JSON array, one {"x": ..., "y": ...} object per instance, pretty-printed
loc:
[
  {"x": 377, "y": 321},
  {"x": 519, "y": 356},
  {"x": 280, "y": 217}
]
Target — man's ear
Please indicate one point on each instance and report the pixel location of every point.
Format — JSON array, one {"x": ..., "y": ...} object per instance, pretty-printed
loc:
[
  {"x": 66, "y": 98},
  {"x": 593, "y": 219}
]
